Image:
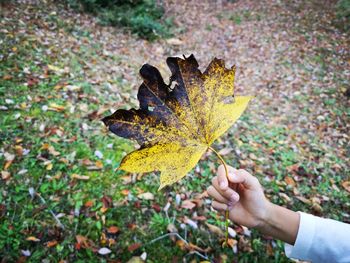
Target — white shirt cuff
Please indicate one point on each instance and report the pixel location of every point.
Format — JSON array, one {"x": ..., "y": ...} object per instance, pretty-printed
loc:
[{"x": 304, "y": 240}]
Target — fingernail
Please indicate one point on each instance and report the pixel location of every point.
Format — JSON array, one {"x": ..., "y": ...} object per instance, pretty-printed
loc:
[{"x": 234, "y": 196}]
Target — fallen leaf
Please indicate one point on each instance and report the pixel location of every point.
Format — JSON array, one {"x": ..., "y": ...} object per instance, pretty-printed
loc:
[
  {"x": 316, "y": 207},
  {"x": 89, "y": 203},
  {"x": 113, "y": 230},
  {"x": 32, "y": 238},
  {"x": 244, "y": 244},
  {"x": 187, "y": 204},
  {"x": 135, "y": 259},
  {"x": 82, "y": 241},
  {"x": 190, "y": 222},
  {"x": 303, "y": 199},
  {"x": 232, "y": 242},
  {"x": 180, "y": 122},
  {"x": 5, "y": 175},
  {"x": 51, "y": 243},
  {"x": 125, "y": 192},
  {"x": 225, "y": 151},
  {"x": 52, "y": 151},
  {"x": 80, "y": 177},
  {"x": 232, "y": 232},
  {"x": 156, "y": 207},
  {"x": 253, "y": 156},
  {"x": 143, "y": 256},
  {"x": 215, "y": 230},
  {"x": 104, "y": 251},
  {"x": 346, "y": 185},
  {"x": 9, "y": 159},
  {"x": 54, "y": 68},
  {"x": 127, "y": 179},
  {"x": 103, "y": 209},
  {"x": 192, "y": 247},
  {"x": 56, "y": 107},
  {"x": 285, "y": 197},
  {"x": 246, "y": 231},
  {"x": 49, "y": 166},
  {"x": 19, "y": 150},
  {"x": 99, "y": 164},
  {"x": 174, "y": 41},
  {"x": 172, "y": 228},
  {"x": 26, "y": 253},
  {"x": 289, "y": 181},
  {"x": 133, "y": 247},
  {"x": 199, "y": 218},
  {"x": 181, "y": 244},
  {"x": 146, "y": 196}
]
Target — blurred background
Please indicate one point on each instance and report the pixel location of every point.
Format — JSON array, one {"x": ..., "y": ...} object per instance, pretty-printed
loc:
[{"x": 66, "y": 64}]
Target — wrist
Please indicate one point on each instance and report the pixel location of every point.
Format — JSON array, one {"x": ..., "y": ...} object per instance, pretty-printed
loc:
[
  {"x": 280, "y": 223},
  {"x": 266, "y": 218}
]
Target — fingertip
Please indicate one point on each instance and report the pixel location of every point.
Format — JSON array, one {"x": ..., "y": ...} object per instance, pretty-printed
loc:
[
  {"x": 221, "y": 169},
  {"x": 222, "y": 180},
  {"x": 234, "y": 197}
]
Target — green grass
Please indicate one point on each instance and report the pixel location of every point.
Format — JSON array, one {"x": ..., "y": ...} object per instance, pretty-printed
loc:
[
  {"x": 265, "y": 150},
  {"x": 142, "y": 17}
]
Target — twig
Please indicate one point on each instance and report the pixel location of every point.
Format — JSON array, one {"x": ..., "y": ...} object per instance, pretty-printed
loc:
[
  {"x": 227, "y": 211},
  {"x": 167, "y": 235}
]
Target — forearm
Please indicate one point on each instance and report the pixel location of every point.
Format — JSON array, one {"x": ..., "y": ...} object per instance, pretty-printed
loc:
[{"x": 280, "y": 223}]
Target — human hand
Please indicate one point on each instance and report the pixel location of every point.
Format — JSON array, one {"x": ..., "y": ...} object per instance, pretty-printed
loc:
[{"x": 242, "y": 195}]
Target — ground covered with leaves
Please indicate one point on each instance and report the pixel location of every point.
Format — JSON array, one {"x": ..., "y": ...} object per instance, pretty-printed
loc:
[{"x": 61, "y": 198}]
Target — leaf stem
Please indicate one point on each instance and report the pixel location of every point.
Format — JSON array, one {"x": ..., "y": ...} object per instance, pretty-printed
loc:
[{"x": 227, "y": 211}]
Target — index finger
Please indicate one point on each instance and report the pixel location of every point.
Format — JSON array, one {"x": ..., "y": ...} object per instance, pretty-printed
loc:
[
  {"x": 237, "y": 177},
  {"x": 222, "y": 178}
]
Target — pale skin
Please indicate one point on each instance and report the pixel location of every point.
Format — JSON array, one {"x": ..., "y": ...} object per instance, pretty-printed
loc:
[{"x": 243, "y": 196}]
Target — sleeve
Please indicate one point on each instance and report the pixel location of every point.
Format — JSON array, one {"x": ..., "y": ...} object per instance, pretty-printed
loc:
[{"x": 320, "y": 240}]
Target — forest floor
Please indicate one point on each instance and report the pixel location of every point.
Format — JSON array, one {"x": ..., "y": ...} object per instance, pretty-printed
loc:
[{"x": 61, "y": 199}]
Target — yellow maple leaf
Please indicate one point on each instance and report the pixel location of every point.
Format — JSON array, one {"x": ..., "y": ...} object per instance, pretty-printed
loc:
[{"x": 177, "y": 123}]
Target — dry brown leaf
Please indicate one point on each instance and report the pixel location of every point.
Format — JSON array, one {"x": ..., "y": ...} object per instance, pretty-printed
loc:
[
  {"x": 125, "y": 192},
  {"x": 174, "y": 41},
  {"x": 187, "y": 204},
  {"x": 52, "y": 243},
  {"x": 49, "y": 166},
  {"x": 133, "y": 247},
  {"x": 181, "y": 244},
  {"x": 225, "y": 151},
  {"x": 146, "y": 196},
  {"x": 113, "y": 230},
  {"x": 32, "y": 238},
  {"x": 80, "y": 177},
  {"x": 289, "y": 181},
  {"x": 303, "y": 199},
  {"x": 89, "y": 203},
  {"x": 346, "y": 185},
  {"x": 135, "y": 259},
  {"x": 172, "y": 228},
  {"x": 5, "y": 175},
  {"x": 56, "y": 107},
  {"x": 215, "y": 230},
  {"x": 232, "y": 242}
]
